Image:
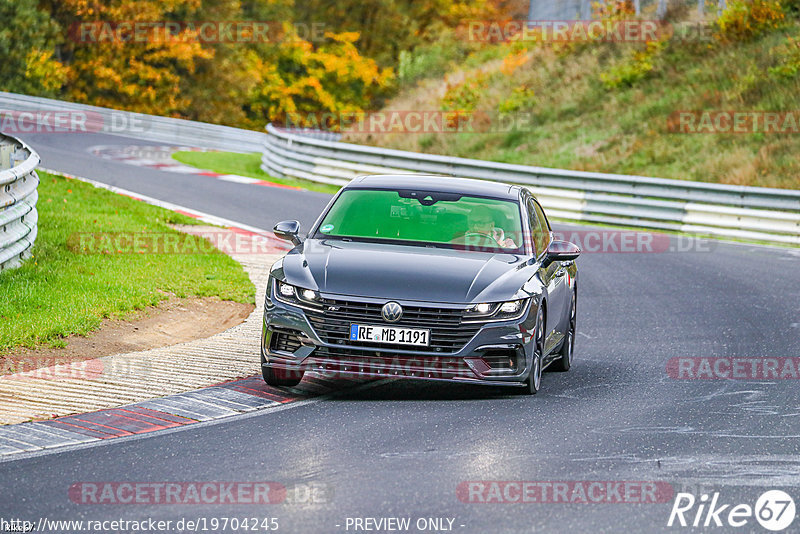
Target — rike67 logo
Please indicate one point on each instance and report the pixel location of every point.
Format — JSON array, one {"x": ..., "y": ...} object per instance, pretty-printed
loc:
[{"x": 774, "y": 510}]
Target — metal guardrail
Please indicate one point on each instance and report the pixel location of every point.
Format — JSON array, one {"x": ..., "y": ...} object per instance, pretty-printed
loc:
[
  {"x": 756, "y": 213},
  {"x": 94, "y": 119},
  {"x": 18, "y": 196}
]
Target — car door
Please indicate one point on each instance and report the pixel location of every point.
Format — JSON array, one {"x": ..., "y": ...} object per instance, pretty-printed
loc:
[{"x": 553, "y": 276}]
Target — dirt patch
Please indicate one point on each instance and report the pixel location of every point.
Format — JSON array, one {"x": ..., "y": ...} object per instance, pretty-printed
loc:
[{"x": 173, "y": 321}]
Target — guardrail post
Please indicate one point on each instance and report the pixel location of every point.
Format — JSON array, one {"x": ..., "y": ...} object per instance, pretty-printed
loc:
[
  {"x": 661, "y": 11},
  {"x": 6, "y": 149}
]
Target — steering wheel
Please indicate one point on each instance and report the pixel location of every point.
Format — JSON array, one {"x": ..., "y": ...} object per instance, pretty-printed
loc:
[{"x": 478, "y": 239}]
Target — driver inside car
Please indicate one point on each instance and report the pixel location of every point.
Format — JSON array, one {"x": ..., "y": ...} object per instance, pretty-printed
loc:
[{"x": 482, "y": 230}]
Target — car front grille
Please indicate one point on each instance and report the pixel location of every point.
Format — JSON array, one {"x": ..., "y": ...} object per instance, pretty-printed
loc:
[{"x": 448, "y": 334}]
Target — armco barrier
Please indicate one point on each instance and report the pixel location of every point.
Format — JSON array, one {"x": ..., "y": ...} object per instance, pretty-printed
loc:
[
  {"x": 756, "y": 213},
  {"x": 18, "y": 196}
]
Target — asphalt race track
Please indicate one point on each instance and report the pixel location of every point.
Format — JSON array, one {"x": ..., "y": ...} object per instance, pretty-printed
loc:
[{"x": 406, "y": 449}]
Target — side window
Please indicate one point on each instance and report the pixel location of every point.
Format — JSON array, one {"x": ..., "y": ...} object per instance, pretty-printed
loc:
[
  {"x": 538, "y": 232},
  {"x": 545, "y": 226}
]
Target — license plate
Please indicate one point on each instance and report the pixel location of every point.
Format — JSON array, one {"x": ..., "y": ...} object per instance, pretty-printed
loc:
[{"x": 389, "y": 334}]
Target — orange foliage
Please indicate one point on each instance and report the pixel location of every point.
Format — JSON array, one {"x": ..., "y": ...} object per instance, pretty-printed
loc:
[
  {"x": 332, "y": 77},
  {"x": 135, "y": 76}
]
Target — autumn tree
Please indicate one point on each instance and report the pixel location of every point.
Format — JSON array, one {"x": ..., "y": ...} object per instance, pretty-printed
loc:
[
  {"x": 27, "y": 45},
  {"x": 299, "y": 79},
  {"x": 218, "y": 89},
  {"x": 141, "y": 75}
]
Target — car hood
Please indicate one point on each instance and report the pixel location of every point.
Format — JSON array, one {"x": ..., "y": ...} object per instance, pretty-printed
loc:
[{"x": 402, "y": 272}]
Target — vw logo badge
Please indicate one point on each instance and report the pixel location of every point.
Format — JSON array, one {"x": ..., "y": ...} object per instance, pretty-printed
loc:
[{"x": 392, "y": 312}]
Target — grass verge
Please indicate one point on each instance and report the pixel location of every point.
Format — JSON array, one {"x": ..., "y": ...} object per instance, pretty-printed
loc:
[
  {"x": 60, "y": 292},
  {"x": 243, "y": 165}
]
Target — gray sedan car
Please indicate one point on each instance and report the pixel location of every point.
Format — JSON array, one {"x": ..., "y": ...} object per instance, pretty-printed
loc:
[{"x": 423, "y": 277}]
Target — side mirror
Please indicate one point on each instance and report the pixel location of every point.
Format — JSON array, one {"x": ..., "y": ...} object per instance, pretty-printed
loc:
[
  {"x": 288, "y": 230},
  {"x": 561, "y": 251}
]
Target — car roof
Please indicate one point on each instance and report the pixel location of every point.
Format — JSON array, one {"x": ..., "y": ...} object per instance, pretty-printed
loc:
[{"x": 438, "y": 183}]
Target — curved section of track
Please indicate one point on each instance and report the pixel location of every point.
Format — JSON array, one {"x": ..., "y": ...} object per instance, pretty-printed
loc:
[{"x": 407, "y": 449}]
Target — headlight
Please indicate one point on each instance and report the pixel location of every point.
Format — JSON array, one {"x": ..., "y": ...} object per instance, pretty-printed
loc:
[
  {"x": 286, "y": 290},
  {"x": 496, "y": 311},
  {"x": 309, "y": 295},
  {"x": 295, "y": 295},
  {"x": 484, "y": 309},
  {"x": 512, "y": 306}
]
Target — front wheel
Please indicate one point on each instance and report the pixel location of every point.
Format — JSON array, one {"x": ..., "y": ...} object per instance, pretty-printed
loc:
[
  {"x": 280, "y": 377},
  {"x": 564, "y": 363},
  {"x": 534, "y": 381}
]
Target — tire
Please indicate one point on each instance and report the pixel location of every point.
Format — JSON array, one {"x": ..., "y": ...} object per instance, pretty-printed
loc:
[
  {"x": 534, "y": 381},
  {"x": 280, "y": 377},
  {"x": 567, "y": 351}
]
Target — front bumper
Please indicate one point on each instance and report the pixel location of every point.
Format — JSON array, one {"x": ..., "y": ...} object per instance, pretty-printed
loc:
[{"x": 494, "y": 353}]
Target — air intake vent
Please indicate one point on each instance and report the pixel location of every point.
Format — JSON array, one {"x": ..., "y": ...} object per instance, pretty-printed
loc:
[{"x": 285, "y": 340}]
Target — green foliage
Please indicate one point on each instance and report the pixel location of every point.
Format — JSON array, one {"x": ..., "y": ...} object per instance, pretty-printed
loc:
[
  {"x": 613, "y": 10},
  {"x": 743, "y": 20},
  {"x": 27, "y": 42},
  {"x": 464, "y": 96},
  {"x": 788, "y": 55},
  {"x": 522, "y": 98},
  {"x": 636, "y": 67},
  {"x": 791, "y": 7},
  {"x": 425, "y": 62}
]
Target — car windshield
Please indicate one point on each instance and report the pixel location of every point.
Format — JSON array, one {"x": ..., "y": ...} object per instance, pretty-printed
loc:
[{"x": 425, "y": 217}]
